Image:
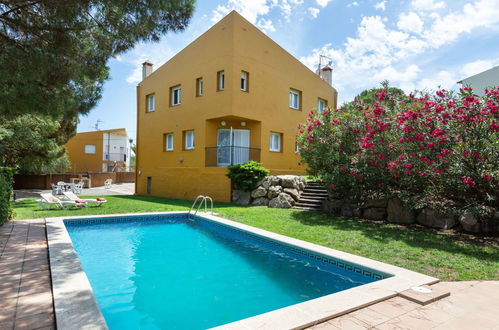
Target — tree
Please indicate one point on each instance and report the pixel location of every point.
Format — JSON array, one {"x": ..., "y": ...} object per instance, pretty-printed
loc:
[
  {"x": 34, "y": 143},
  {"x": 53, "y": 54}
]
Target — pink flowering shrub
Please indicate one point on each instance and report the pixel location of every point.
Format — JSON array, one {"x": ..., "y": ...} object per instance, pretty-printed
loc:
[{"x": 430, "y": 145}]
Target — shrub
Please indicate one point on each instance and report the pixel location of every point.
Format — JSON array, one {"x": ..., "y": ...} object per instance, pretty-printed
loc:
[
  {"x": 420, "y": 147},
  {"x": 246, "y": 176},
  {"x": 6, "y": 186}
]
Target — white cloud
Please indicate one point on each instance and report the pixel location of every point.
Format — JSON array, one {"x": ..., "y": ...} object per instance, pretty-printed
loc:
[
  {"x": 314, "y": 12},
  {"x": 265, "y": 25},
  {"x": 410, "y": 22},
  {"x": 379, "y": 52},
  {"x": 427, "y": 4},
  {"x": 380, "y": 5},
  {"x": 248, "y": 9},
  {"x": 353, "y": 4},
  {"x": 157, "y": 53},
  {"x": 472, "y": 68},
  {"x": 323, "y": 3}
]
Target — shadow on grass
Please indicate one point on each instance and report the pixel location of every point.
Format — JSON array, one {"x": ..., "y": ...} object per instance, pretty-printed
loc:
[{"x": 415, "y": 236}]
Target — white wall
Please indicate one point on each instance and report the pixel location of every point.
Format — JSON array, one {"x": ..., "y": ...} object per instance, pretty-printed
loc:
[
  {"x": 117, "y": 145},
  {"x": 481, "y": 81}
]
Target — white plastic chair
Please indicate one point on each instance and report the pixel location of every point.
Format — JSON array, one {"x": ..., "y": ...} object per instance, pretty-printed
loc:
[
  {"x": 108, "y": 183},
  {"x": 49, "y": 199}
]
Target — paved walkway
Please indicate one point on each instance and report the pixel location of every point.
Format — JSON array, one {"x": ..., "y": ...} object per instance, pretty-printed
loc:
[
  {"x": 116, "y": 189},
  {"x": 26, "y": 294}
]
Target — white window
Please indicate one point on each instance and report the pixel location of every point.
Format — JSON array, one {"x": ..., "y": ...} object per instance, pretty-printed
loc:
[
  {"x": 176, "y": 95},
  {"x": 244, "y": 81},
  {"x": 321, "y": 105},
  {"x": 294, "y": 99},
  {"x": 275, "y": 142},
  {"x": 189, "y": 140},
  {"x": 169, "y": 142},
  {"x": 199, "y": 87},
  {"x": 150, "y": 103},
  {"x": 221, "y": 81},
  {"x": 90, "y": 148}
]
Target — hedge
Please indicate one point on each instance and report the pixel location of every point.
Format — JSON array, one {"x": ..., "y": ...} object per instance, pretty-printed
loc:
[{"x": 6, "y": 186}]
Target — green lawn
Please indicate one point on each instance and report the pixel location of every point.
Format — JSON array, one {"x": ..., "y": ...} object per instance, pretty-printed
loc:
[{"x": 448, "y": 257}]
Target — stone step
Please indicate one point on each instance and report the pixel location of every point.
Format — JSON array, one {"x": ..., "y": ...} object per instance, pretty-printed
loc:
[
  {"x": 315, "y": 189},
  {"x": 310, "y": 200},
  {"x": 302, "y": 204},
  {"x": 315, "y": 193},
  {"x": 306, "y": 208}
]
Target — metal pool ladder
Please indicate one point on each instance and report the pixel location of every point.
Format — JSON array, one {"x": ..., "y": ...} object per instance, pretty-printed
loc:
[{"x": 202, "y": 199}]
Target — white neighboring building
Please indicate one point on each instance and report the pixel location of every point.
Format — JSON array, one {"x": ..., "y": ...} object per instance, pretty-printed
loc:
[
  {"x": 482, "y": 80},
  {"x": 116, "y": 151}
]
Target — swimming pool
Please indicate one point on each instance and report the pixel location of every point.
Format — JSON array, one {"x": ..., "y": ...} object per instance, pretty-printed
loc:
[{"x": 175, "y": 271}]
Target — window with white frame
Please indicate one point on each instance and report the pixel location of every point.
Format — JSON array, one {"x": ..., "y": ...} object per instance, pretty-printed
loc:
[
  {"x": 189, "y": 140},
  {"x": 90, "y": 148},
  {"x": 321, "y": 105},
  {"x": 294, "y": 99},
  {"x": 199, "y": 87},
  {"x": 275, "y": 142},
  {"x": 221, "y": 81},
  {"x": 150, "y": 103},
  {"x": 176, "y": 95},
  {"x": 244, "y": 81},
  {"x": 169, "y": 142}
]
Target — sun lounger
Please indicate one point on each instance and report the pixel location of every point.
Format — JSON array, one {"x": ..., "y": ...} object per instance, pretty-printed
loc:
[
  {"x": 73, "y": 197},
  {"x": 48, "y": 199}
]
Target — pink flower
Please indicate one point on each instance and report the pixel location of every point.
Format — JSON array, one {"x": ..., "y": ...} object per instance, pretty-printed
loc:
[
  {"x": 360, "y": 175},
  {"x": 422, "y": 173},
  {"x": 331, "y": 186},
  {"x": 396, "y": 175},
  {"x": 487, "y": 177},
  {"x": 468, "y": 180},
  {"x": 343, "y": 168},
  {"x": 402, "y": 157},
  {"x": 408, "y": 165},
  {"x": 437, "y": 170},
  {"x": 408, "y": 172},
  {"x": 353, "y": 172}
]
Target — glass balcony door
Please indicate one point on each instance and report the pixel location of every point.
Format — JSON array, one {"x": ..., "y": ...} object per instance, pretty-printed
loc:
[{"x": 233, "y": 146}]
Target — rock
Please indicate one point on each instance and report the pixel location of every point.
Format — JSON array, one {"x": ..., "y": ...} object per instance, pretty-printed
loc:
[
  {"x": 259, "y": 192},
  {"x": 260, "y": 201},
  {"x": 469, "y": 222},
  {"x": 274, "y": 191},
  {"x": 397, "y": 213},
  {"x": 357, "y": 211},
  {"x": 265, "y": 183},
  {"x": 301, "y": 184},
  {"x": 332, "y": 206},
  {"x": 293, "y": 193},
  {"x": 374, "y": 213},
  {"x": 435, "y": 219},
  {"x": 241, "y": 197},
  {"x": 289, "y": 181},
  {"x": 274, "y": 180},
  {"x": 346, "y": 211},
  {"x": 282, "y": 201},
  {"x": 379, "y": 202}
]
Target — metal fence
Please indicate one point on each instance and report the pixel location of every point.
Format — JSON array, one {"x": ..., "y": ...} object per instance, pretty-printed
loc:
[{"x": 230, "y": 155}]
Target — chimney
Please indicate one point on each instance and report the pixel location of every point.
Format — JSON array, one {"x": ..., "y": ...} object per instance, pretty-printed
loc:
[
  {"x": 146, "y": 69},
  {"x": 327, "y": 74}
]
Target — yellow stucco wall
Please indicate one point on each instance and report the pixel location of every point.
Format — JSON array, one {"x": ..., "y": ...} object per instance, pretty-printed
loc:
[
  {"x": 75, "y": 149},
  {"x": 232, "y": 45}
]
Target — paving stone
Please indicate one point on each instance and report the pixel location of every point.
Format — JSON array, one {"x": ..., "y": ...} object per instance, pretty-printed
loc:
[
  {"x": 369, "y": 316},
  {"x": 34, "y": 304},
  {"x": 35, "y": 321},
  {"x": 394, "y": 307},
  {"x": 8, "y": 310},
  {"x": 425, "y": 298},
  {"x": 348, "y": 322}
]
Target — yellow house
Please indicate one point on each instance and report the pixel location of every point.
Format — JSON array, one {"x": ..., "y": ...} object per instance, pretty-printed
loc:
[
  {"x": 231, "y": 96},
  {"x": 99, "y": 151}
]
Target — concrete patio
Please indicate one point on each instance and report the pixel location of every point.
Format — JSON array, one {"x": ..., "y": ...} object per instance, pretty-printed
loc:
[{"x": 26, "y": 293}]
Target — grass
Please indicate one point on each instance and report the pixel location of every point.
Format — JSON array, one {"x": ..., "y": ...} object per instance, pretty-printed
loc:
[{"x": 448, "y": 257}]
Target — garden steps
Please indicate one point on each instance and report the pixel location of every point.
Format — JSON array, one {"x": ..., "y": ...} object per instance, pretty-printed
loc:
[{"x": 312, "y": 196}]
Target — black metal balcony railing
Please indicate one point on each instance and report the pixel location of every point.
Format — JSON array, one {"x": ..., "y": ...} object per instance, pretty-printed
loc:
[{"x": 230, "y": 155}]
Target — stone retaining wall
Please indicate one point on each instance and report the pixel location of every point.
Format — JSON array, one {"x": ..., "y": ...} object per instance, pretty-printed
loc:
[
  {"x": 281, "y": 191},
  {"x": 393, "y": 211}
]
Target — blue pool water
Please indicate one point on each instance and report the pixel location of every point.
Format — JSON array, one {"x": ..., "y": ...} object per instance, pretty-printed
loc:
[{"x": 169, "y": 272}]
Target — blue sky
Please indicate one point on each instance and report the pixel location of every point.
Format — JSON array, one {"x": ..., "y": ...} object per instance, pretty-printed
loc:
[{"x": 415, "y": 44}]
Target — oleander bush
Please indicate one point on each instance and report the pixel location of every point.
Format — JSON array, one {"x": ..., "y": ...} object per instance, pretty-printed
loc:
[
  {"x": 422, "y": 148},
  {"x": 6, "y": 186},
  {"x": 246, "y": 176}
]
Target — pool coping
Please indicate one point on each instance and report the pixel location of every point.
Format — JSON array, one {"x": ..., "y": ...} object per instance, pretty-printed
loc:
[{"x": 76, "y": 306}]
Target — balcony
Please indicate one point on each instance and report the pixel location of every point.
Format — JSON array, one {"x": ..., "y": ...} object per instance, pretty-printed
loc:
[
  {"x": 115, "y": 157},
  {"x": 230, "y": 155}
]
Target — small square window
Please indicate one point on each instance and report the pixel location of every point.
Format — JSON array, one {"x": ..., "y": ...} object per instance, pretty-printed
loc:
[
  {"x": 90, "y": 148},
  {"x": 321, "y": 105},
  {"x": 176, "y": 95},
  {"x": 244, "y": 81},
  {"x": 275, "y": 142},
  {"x": 169, "y": 142},
  {"x": 150, "y": 103},
  {"x": 189, "y": 140},
  {"x": 294, "y": 99},
  {"x": 220, "y": 80},
  {"x": 199, "y": 87}
]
